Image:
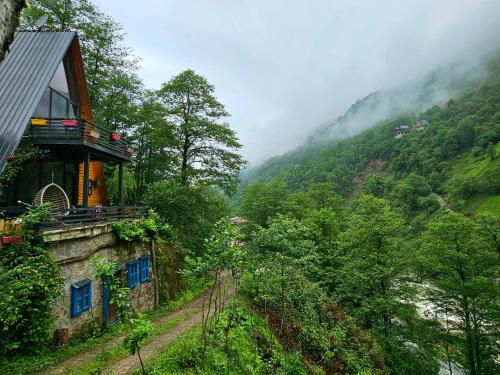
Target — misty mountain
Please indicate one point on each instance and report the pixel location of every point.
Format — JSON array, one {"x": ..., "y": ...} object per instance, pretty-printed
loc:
[{"x": 434, "y": 88}]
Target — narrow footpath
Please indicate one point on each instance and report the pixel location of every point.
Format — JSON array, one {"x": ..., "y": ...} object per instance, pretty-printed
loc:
[{"x": 189, "y": 314}]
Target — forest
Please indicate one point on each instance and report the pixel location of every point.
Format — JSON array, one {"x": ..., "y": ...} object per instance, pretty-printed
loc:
[{"x": 369, "y": 254}]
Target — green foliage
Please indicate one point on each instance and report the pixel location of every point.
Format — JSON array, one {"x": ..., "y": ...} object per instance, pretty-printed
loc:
[
  {"x": 106, "y": 271},
  {"x": 204, "y": 145},
  {"x": 129, "y": 186},
  {"x": 192, "y": 211},
  {"x": 462, "y": 262},
  {"x": 141, "y": 329},
  {"x": 36, "y": 215},
  {"x": 261, "y": 201},
  {"x": 241, "y": 343},
  {"x": 143, "y": 230},
  {"x": 30, "y": 281},
  {"x": 25, "y": 152}
]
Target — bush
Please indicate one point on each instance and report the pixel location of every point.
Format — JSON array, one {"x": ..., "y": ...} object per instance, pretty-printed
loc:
[
  {"x": 477, "y": 151},
  {"x": 30, "y": 280},
  {"x": 144, "y": 229}
]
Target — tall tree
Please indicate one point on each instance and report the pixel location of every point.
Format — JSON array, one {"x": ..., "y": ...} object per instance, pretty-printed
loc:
[
  {"x": 463, "y": 265},
  {"x": 204, "y": 145},
  {"x": 110, "y": 66}
]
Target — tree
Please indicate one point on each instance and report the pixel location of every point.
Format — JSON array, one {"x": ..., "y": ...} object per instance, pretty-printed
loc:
[
  {"x": 204, "y": 145},
  {"x": 463, "y": 266},
  {"x": 261, "y": 201},
  {"x": 110, "y": 67},
  {"x": 191, "y": 210},
  {"x": 371, "y": 263},
  {"x": 221, "y": 254},
  {"x": 141, "y": 329},
  {"x": 9, "y": 19}
]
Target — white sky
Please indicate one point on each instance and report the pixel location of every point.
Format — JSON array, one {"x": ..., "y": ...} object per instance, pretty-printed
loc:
[{"x": 283, "y": 67}]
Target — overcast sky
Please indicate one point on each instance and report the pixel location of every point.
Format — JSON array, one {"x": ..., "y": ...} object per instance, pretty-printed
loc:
[{"x": 283, "y": 67}]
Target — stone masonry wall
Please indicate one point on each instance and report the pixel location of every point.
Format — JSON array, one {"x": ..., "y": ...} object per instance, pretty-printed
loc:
[{"x": 72, "y": 249}]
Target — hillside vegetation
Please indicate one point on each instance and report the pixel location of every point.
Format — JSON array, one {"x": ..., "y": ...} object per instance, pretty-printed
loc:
[
  {"x": 456, "y": 154},
  {"x": 379, "y": 255}
]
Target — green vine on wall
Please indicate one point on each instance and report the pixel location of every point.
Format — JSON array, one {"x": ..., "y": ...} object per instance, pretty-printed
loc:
[
  {"x": 25, "y": 152},
  {"x": 144, "y": 230}
]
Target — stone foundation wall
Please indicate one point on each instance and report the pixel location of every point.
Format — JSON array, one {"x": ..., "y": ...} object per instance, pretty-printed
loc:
[{"x": 73, "y": 249}]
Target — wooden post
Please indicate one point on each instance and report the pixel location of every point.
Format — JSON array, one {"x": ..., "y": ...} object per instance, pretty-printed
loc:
[
  {"x": 120, "y": 183},
  {"x": 86, "y": 166}
]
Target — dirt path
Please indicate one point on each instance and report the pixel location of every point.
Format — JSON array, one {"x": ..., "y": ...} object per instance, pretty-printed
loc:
[
  {"x": 191, "y": 312},
  {"x": 126, "y": 365}
]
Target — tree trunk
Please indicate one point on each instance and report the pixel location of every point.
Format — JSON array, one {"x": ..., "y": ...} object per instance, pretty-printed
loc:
[
  {"x": 140, "y": 360},
  {"x": 9, "y": 20}
]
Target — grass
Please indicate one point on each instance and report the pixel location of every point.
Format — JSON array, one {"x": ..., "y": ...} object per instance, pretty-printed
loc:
[
  {"x": 115, "y": 353},
  {"x": 48, "y": 356},
  {"x": 472, "y": 165},
  {"x": 249, "y": 348},
  {"x": 485, "y": 172},
  {"x": 484, "y": 204}
]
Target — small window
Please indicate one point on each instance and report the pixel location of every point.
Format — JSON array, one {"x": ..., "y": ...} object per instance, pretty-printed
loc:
[
  {"x": 144, "y": 263},
  {"x": 133, "y": 274},
  {"x": 81, "y": 297}
]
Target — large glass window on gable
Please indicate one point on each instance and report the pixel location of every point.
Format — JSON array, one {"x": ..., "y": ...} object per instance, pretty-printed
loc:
[{"x": 56, "y": 102}]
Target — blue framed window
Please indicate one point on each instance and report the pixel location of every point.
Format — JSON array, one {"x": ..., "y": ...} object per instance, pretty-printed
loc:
[
  {"x": 144, "y": 264},
  {"x": 81, "y": 296},
  {"x": 133, "y": 274}
]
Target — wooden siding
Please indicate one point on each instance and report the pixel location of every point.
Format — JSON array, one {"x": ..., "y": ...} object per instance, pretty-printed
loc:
[{"x": 99, "y": 194}]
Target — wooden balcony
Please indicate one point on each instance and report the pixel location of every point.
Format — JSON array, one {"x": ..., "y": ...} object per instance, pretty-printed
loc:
[{"x": 79, "y": 136}]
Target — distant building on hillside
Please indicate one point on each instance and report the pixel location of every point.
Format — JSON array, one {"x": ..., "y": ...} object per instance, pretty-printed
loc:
[
  {"x": 400, "y": 130},
  {"x": 420, "y": 125}
]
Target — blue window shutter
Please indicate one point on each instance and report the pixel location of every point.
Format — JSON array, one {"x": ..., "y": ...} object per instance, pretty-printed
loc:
[
  {"x": 133, "y": 274},
  {"x": 144, "y": 269}
]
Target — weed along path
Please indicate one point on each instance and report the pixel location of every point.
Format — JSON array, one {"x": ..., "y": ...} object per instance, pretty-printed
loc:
[
  {"x": 168, "y": 327},
  {"x": 128, "y": 364}
]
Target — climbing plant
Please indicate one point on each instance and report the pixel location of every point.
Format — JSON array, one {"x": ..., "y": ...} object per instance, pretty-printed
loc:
[{"x": 25, "y": 152}]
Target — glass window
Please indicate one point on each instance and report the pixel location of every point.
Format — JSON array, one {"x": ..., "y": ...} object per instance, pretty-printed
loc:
[
  {"x": 81, "y": 297},
  {"x": 42, "y": 110}
]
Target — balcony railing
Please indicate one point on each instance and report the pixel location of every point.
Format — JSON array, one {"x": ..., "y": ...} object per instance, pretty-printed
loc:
[
  {"x": 60, "y": 131},
  {"x": 85, "y": 216}
]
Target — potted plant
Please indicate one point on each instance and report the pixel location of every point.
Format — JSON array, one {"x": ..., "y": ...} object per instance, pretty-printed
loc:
[
  {"x": 39, "y": 122},
  {"x": 69, "y": 123},
  {"x": 12, "y": 239}
]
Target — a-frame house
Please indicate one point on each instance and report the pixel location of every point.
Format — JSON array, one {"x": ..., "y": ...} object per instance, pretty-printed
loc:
[{"x": 44, "y": 98}]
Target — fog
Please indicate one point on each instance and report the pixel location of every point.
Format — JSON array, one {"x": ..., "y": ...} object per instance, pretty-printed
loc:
[{"x": 284, "y": 67}]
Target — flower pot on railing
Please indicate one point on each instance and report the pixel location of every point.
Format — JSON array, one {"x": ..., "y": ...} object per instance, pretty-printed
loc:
[
  {"x": 12, "y": 239},
  {"x": 115, "y": 137},
  {"x": 94, "y": 134},
  {"x": 69, "y": 123},
  {"x": 39, "y": 122}
]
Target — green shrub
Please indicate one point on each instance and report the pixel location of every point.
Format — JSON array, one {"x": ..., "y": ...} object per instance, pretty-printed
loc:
[
  {"x": 30, "y": 280},
  {"x": 143, "y": 230}
]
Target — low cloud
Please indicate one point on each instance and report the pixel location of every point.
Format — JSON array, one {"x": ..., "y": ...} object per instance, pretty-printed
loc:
[{"x": 284, "y": 67}]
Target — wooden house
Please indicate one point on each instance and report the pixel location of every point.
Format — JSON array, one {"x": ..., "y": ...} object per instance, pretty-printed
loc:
[{"x": 44, "y": 98}]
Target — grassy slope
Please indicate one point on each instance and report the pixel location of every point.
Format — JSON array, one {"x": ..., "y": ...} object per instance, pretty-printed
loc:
[{"x": 467, "y": 164}]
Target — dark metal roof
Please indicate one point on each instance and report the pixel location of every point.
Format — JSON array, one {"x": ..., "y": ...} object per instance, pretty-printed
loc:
[{"x": 25, "y": 73}]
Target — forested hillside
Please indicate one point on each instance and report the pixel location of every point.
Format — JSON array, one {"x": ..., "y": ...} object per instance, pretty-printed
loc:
[
  {"x": 379, "y": 254},
  {"x": 463, "y": 132}
]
